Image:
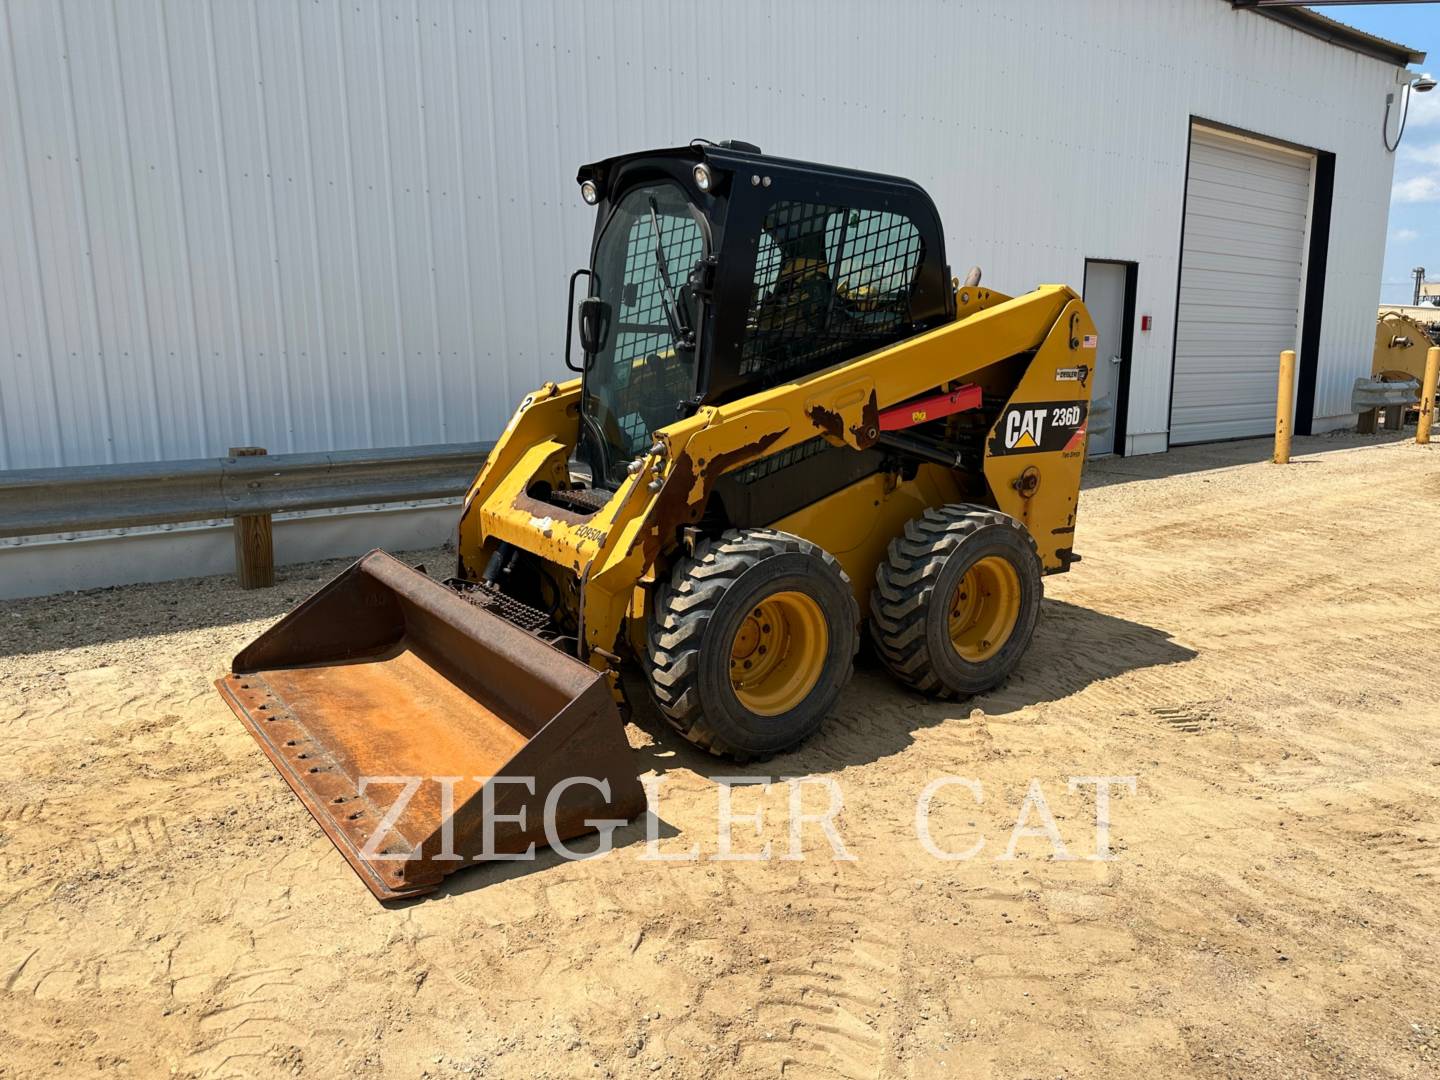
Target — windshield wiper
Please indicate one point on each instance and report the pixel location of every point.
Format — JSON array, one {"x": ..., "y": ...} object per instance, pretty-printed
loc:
[{"x": 675, "y": 315}]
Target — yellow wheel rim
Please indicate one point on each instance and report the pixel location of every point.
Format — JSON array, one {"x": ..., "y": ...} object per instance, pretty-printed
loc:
[
  {"x": 778, "y": 653},
  {"x": 984, "y": 609}
]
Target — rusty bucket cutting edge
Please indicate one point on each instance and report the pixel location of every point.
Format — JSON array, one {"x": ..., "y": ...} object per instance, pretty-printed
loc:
[{"x": 393, "y": 706}]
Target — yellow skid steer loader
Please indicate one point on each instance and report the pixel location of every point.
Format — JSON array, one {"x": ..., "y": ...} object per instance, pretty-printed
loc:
[{"x": 787, "y": 421}]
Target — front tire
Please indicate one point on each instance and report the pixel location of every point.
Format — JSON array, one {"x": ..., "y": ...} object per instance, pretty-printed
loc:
[
  {"x": 956, "y": 600},
  {"x": 751, "y": 642}
]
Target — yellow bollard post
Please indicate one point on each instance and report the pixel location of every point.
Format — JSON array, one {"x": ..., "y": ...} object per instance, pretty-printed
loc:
[
  {"x": 1285, "y": 407},
  {"x": 1427, "y": 395}
]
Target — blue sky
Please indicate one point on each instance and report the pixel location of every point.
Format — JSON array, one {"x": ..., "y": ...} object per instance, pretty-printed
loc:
[{"x": 1413, "y": 238}]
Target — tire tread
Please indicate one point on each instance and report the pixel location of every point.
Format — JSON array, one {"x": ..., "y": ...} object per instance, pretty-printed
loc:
[
  {"x": 682, "y": 612},
  {"x": 904, "y": 587}
]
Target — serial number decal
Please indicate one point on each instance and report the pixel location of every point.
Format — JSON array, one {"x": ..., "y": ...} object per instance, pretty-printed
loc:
[{"x": 1039, "y": 427}]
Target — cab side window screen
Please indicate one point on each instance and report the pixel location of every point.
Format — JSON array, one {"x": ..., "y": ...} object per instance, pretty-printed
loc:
[{"x": 830, "y": 282}]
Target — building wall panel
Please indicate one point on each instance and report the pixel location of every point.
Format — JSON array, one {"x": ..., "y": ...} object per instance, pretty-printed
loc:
[{"x": 312, "y": 224}]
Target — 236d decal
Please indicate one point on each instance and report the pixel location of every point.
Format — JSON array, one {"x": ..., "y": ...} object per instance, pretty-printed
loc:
[{"x": 1040, "y": 427}]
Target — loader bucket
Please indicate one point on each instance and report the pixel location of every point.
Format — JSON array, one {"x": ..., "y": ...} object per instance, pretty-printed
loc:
[{"x": 425, "y": 733}]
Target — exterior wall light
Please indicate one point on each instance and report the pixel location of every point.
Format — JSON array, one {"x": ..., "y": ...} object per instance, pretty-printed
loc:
[{"x": 1420, "y": 84}]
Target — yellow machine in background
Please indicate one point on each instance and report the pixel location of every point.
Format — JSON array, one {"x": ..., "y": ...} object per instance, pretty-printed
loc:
[
  {"x": 1402, "y": 337},
  {"x": 790, "y": 426}
]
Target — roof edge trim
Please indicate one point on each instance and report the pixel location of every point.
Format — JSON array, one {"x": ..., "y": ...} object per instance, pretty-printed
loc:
[{"x": 1336, "y": 33}]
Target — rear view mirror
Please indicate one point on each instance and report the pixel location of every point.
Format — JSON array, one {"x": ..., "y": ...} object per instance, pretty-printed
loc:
[{"x": 594, "y": 324}]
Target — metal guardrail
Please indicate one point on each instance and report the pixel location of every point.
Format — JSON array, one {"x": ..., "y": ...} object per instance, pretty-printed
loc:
[
  {"x": 1378, "y": 394},
  {"x": 95, "y": 497}
]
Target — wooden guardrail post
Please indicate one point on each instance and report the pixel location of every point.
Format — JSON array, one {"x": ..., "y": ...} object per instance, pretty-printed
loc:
[
  {"x": 1285, "y": 407},
  {"x": 254, "y": 545},
  {"x": 1427, "y": 395}
]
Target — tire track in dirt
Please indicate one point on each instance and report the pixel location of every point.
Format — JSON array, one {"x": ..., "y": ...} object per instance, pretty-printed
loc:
[
  {"x": 245, "y": 1019},
  {"x": 828, "y": 1013},
  {"x": 22, "y": 812},
  {"x": 133, "y": 839},
  {"x": 1417, "y": 856}
]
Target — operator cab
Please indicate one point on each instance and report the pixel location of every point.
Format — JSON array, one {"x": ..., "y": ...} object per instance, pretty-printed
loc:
[{"x": 716, "y": 270}]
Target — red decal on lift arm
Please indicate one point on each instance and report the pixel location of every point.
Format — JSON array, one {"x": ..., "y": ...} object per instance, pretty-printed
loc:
[{"x": 919, "y": 410}]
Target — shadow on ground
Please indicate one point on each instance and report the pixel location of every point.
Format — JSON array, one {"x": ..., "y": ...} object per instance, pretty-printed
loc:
[
  {"x": 877, "y": 717},
  {"x": 1073, "y": 648},
  {"x": 483, "y": 875}
]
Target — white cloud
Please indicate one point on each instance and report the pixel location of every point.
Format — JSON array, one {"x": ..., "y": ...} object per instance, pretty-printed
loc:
[
  {"x": 1416, "y": 189},
  {"x": 1424, "y": 110},
  {"x": 1404, "y": 236},
  {"x": 1426, "y": 155}
]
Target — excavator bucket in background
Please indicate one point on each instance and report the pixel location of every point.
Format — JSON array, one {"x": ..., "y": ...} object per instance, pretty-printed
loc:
[{"x": 425, "y": 733}]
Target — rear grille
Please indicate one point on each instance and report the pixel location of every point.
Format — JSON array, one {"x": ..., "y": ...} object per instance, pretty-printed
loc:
[
  {"x": 531, "y": 620},
  {"x": 783, "y": 459}
]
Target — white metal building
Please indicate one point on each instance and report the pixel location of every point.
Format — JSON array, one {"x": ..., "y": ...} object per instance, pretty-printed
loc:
[{"x": 331, "y": 224}]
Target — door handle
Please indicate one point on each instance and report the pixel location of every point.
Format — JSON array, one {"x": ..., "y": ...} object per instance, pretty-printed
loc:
[
  {"x": 1117, "y": 359},
  {"x": 570, "y": 321}
]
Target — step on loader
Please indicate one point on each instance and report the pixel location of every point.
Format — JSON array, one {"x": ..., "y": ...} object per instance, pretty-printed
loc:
[{"x": 788, "y": 425}]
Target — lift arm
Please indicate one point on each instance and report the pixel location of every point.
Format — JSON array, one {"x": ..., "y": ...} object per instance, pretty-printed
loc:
[{"x": 619, "y": 545}]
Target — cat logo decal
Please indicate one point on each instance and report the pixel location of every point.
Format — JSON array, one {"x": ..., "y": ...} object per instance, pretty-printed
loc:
[{"x": 1038, "y": 427}]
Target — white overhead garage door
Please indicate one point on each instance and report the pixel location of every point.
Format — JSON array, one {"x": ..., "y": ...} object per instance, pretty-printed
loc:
[{"x": 1247, "y": 207}]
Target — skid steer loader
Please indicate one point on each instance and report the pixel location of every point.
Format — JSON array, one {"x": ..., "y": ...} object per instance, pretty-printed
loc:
[{"x": 787, "y": 421}]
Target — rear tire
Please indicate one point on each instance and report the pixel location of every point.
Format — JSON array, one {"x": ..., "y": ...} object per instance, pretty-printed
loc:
[
  {"x": 751, "y": 642},
  {"x": 956, "y": 600}
]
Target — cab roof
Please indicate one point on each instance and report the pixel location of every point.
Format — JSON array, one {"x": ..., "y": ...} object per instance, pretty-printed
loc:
[{"x": 733, "y": 155}]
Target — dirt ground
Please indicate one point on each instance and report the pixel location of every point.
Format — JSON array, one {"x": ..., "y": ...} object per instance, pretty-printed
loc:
[{"x": 1256, "y": 645}]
